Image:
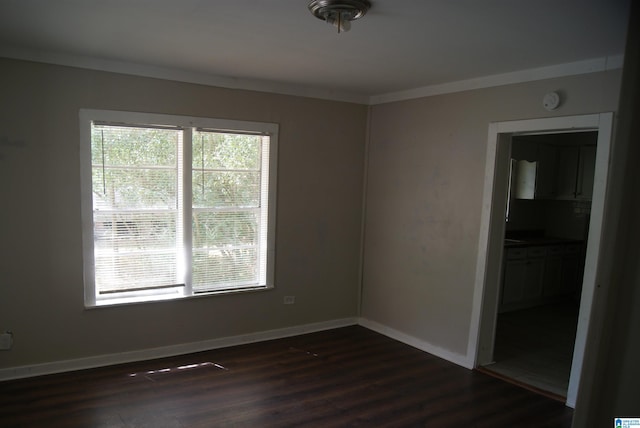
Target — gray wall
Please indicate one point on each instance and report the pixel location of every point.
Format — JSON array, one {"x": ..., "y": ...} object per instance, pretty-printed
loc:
[
  {"x": 320, "y": 187},
  {"x": 424, "y": 195},
  {"x": 426, "y": 161}
]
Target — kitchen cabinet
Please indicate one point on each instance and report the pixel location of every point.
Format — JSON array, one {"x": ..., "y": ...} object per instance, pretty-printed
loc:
[
  {"x": 576, "y": 168},
  {"x": 536, "y": 274},
  {"x": 548, "y": 171},
  {"x": 523, "y": 275},
  {"x": 553, "y": 272},
  {"x": 567, "y": 172},
  {"x": 524, "y": 150},
  {"x": 515, "y": 273},
  {"x": 562, "y": 271}
]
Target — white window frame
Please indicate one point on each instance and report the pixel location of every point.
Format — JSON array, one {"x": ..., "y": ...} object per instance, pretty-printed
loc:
[{"x": 87, "y": 117}]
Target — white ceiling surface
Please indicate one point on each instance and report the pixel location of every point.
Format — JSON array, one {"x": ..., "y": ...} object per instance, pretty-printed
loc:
[{"x": 278, "y": 46}]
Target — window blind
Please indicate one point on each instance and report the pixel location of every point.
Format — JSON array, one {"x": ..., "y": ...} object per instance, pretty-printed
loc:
[
  {"x": 179, "y": 207},
  {"x": 229, "y": 210},
  {"x": 135, "y": 201},
  {"x": 177, "y": 210}
]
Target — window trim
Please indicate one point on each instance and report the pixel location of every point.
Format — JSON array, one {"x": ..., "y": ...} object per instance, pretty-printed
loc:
[{"x": 87, "y": 117}]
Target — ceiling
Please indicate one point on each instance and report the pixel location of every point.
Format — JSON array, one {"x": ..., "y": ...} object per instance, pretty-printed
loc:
[{"x": 278, "y": 46}]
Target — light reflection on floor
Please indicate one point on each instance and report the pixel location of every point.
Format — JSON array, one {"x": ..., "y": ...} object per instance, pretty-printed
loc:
[{"x": 179, "y": 368}]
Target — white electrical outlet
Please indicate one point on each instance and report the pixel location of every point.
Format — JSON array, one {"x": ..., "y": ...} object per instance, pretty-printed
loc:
[
  {"x": 6, "y": 341},
  {"x": 289, "y": 300}
]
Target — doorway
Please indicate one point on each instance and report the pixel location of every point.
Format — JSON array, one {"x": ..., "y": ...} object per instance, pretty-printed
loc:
[
  {"x": 489, "y": 270},
  {"x": 546, "y": 232}
]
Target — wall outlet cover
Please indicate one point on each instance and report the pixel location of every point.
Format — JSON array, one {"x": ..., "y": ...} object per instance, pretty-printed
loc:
[{"x": 6, "y": 341}]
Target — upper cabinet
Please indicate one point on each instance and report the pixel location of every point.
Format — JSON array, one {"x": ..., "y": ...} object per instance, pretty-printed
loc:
[
  {"x": 558, "y": 166},
  {"x": 576, "y": 168},
  {"x": 568, "y": 159}
]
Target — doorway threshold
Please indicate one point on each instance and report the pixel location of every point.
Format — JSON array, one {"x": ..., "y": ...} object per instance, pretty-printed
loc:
[{"x": 549, "y": 394}]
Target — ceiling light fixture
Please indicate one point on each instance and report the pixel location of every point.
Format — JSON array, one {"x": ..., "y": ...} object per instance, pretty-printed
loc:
[{"x": 339, "y": 13}]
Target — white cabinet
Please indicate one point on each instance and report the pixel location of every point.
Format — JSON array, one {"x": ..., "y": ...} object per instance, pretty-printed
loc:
[
  {"x": 515, "y": 273},
  {"x": 523, "y": 277},
  {"x": 536, "y": 274},
  {"x": 552, "y": 171}
]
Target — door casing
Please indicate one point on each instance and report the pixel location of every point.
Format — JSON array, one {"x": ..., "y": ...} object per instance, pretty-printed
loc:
[{"x": 491, "y": 244}]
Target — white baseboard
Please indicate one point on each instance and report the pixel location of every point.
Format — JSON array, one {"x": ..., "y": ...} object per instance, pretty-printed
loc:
[
  {"x": 459, "y": 359},
  {"x": 167, "y": 351}
]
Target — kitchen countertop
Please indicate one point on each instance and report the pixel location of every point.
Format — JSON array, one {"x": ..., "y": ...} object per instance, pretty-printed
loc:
[{"x": 539, "y": 241}]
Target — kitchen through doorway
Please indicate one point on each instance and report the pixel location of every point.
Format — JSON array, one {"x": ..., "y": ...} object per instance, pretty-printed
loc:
[
  {"x": 546, "y": 233},
  {"x": 489, "y": 297}
]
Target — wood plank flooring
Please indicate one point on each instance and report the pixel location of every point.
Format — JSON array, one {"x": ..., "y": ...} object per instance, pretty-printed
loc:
[{"x": 338, "y": 378}]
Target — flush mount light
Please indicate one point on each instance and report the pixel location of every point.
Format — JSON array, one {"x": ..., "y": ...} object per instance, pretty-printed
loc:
[{"x": 339, "y": 13}]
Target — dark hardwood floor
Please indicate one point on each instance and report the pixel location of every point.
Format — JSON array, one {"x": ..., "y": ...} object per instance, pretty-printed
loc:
[{"x": 345, "y": 377}]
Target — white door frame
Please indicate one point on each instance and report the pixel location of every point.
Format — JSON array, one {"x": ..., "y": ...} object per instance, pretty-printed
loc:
[{"x": 490, "y": 247}]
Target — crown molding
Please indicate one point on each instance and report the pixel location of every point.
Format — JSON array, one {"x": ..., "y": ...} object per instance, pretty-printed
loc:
[
  {"x": 522, "y": 76},
  {"x": 174, "y": 74}
]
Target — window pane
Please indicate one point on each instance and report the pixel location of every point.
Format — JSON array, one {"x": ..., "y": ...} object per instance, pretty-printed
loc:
[
  {"x": 225, "y": 249},
  {"x": 214, "y": 150},
  {"x": 224, "y": 268},
  {"x": 133, "y": 146},
  {"x": 226, "y": 189},
  {"x": 128, "y": 271},
  {"x": 134, "y": 188},
  {"x": 224, "y": 229},
  {"x": 120, "y": 231},
  {"x": 135, "y": 201},
  {"x": 134, "y": 250},
  {"x": 227, "y": 209}
]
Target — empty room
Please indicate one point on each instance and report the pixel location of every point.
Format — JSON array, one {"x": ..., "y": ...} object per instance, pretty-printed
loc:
[{"x": 318, "y": 213}]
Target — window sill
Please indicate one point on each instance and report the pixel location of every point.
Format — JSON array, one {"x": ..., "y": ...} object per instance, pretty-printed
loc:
[{"x": 137, "y": 300}]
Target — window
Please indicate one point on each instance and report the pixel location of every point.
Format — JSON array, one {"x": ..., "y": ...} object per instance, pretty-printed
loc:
[{"x": 175, "y": 206}]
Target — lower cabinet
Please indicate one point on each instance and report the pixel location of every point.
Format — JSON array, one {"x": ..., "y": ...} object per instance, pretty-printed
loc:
[
  {"x": 523, "y": 276},
  {"x": 533, "y": 280},
  {"x": 553, "y": 267},
  {"x": 537, "y": 274},
  {"x": 515, "y": 273}
]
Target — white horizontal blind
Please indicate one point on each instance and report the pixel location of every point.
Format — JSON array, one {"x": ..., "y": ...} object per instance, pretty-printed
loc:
[
  {"x": 230, "y": 210},
  {"x": 135, "y": 195}
]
